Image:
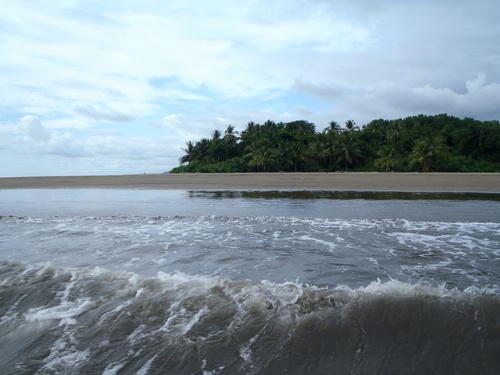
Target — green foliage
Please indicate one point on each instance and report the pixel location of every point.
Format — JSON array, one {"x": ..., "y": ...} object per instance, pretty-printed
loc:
[
  {"x": 260, "y": 155},
  {"x": 227, "y": 166},
  {"x": 465, "y": 164},
  {"x": 348, "y": 151},
  {"x": 387, "y": 159},
  {"x": 426, "y": 151},
  {"x": 439, "y": 143}
]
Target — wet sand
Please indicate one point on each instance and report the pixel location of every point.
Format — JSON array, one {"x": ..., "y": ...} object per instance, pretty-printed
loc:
[{"x": 410, "y": 182}]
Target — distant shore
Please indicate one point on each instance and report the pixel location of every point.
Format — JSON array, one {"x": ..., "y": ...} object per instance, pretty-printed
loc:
[{"x": 356, "y": 181}]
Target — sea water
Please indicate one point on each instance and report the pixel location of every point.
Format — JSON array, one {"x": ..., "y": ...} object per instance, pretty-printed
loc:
[{"x": 96, "y": 281}]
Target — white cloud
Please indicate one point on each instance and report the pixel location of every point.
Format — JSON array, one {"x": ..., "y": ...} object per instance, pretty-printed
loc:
[
  {"x": 53, "y": 152},
  {"x": 32, "y": 127},
  {"x": 102, "y": 113},
  {"x": 36, "y": 139},
  {"x": 325, "y": 90},
  {"x": 479, "y": 101},
  {"x": 390, "y": 100}
]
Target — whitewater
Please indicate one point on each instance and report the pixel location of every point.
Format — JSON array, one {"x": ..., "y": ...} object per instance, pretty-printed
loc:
[{"x": 103, "y": 281}]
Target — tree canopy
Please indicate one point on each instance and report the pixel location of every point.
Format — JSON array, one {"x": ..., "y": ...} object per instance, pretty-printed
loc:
[{"x": 440, "y": 143}]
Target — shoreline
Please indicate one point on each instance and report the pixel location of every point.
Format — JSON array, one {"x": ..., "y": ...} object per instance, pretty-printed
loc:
[{"x": 335, "y": 181}]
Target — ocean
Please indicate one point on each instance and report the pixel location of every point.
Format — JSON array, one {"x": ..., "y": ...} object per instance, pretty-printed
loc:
[{"x": 116, "y": 281}]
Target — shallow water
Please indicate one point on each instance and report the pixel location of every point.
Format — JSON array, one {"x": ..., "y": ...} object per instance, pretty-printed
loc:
[
  {"x": 154, "y": 282},
  {"x": 339, "y": 205}
]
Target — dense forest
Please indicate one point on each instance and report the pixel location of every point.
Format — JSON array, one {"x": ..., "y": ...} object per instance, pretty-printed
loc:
[{"x": 440, "y": 143}]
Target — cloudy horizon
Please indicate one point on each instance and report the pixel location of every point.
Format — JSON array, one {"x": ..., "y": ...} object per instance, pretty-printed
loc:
[{"x": 120, "y": 87}]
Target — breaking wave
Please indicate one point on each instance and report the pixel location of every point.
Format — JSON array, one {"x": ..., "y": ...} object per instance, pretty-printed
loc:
[{"x": 91, "y": 320}]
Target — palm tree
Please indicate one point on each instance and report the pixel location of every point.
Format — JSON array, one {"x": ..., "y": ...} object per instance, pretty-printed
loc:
[
  {"x": 296, "y": 154},
  {"x": 416, "y": 128},
  {"x": 334, "y": 127},
  {"x": 260, "y": 155},
  {"x": 230, "y": 142},
  {"x": 251, "y": 133},
  {"x": 426, "y": 150},
  {"x": 202, "y": 151},
  {"x": 216, "y": 134},
  {"x": 190, "y": 153},
  {"x": 217, "y": 150},
  {"x": 330, "y": 142},
  {"x": 316, "y": 151},
  {"x": 348, "y": 150},
  {"x": 351, "y": 126},
  {"x": 387, "y": 159},
  {"x": 394, "y": 132},
  {"x": 282, "y": 155},
  {"x": 230, "y": 135}
]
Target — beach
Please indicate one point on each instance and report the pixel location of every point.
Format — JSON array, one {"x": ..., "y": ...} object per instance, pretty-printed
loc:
[{"x": 406, "y": 182}]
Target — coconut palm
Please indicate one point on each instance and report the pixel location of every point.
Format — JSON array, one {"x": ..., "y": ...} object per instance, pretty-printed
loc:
[
  {"x": 351, "y": 126},
  {"x": 190, "y": 153},
  {"x": 329, "y": 139},
  {"x": 348, "y": 150},
  {"x": 296, "y": 154},
  {"x": 427, "y": 150},
  {"x": 216, "y": 134},
  {"x": 230, "y": 142},
  {"x": 202, "y": 151},
  {"x": 260, "y": 155},
  {"x": 230, "y": 135},
  {"x": 283, "y": 159},
  {"x": 394, "y": 132},
  {"x": 334, "y": 127},
  {"x": 251, "y": 133},
  {"x": 387, "y": 159}
]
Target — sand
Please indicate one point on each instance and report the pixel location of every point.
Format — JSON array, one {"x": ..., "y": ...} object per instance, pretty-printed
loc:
[{"x": 409, "y": 182}]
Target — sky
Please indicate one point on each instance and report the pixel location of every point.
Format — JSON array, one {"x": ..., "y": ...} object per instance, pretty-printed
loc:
[{"x": 118, "y": 87}]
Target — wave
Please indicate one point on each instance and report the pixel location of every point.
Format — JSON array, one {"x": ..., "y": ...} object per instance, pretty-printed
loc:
[
  {"x": 68, "y": 320},
  {"x": 264, "y": 218},
  {"x": 318, "y": 251}
]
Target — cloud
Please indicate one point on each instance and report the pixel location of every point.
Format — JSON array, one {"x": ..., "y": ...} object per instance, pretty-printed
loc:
[
  {"x": 323, "y": 90},
  {"x": 174, "y": 120},
  {"x": 30, "y": 142},
  {"x": 33, "y": 129},
  {"x": 38, "y": 140},
  {"x": 479, "y": 101},
  {"x": 392, "y": 100},
  {"x": 100, "y": 113},
  {"x": 185, "y": 128},
  {"x": 175, "y": 71}
]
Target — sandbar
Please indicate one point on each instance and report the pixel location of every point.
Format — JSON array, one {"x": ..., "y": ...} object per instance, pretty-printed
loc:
[{"x": 354, "y": 181}]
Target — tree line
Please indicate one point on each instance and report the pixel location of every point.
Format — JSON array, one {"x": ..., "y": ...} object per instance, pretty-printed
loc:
[{"x": 440, "y": 143}]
